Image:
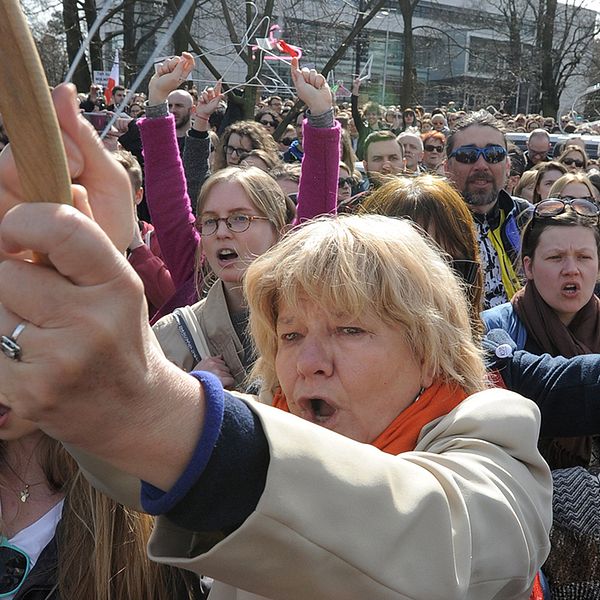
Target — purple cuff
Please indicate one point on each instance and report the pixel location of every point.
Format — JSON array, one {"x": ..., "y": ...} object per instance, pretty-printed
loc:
[{"x": 156, "y": 501}]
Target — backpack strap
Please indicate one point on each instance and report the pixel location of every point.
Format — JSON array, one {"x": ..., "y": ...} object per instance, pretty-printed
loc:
[{"x": 190, "y": 330}]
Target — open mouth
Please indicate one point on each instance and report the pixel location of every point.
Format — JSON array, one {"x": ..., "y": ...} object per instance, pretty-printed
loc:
[
  {"x": 321, "y": 410},
  {"x": 227, "y": 254},
  {"x": 570, "y": 289},
  {"x": 4, "y": 410}
]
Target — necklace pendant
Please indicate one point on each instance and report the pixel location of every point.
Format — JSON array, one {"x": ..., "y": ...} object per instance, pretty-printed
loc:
[{"x": 24, "y": 494}]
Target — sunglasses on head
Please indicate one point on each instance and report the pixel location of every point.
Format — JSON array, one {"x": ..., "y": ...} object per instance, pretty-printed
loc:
[
  {"x": 342, "y": 181},
  {"x": 552, "y": 207},
  {"x": 14, "y": 568},
  {"x": 430, "y": 148},
  {"x": 573, "y": 161},
  {"x": 469, "y": 155}
]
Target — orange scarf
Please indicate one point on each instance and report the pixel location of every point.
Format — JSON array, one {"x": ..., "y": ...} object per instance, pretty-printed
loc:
[{"x": 402, "y": 433}]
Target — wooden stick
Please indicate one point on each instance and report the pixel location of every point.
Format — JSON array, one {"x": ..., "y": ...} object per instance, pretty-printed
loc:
[{"x": 28, "y": 112}]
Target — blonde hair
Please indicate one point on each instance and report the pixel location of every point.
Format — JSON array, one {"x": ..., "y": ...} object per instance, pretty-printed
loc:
[
  {"x": 102, "y": 544},
  {"x": 367, "y": 264},
  {"x": 562, "y": 182},
  {"x": 527, "y": 180}
]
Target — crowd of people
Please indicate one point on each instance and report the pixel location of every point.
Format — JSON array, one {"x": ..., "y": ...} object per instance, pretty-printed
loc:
[{"x": 350, "y": 357}]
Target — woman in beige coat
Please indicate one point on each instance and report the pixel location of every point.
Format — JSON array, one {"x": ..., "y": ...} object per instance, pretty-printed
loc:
[{"x": 403, "y": 478}]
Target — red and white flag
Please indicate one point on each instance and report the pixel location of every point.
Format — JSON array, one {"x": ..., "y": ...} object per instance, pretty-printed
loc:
[{"x": 113, "y": 79}]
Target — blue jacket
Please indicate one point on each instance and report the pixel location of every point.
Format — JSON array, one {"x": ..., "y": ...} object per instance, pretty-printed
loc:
[{"x": 504, "y": 317}]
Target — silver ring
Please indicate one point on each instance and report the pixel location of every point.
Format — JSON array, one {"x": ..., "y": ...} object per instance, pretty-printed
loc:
[{"x": 8, "y": 343}]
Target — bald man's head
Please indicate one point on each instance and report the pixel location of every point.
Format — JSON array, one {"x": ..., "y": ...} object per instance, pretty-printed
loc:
[{"x": 180, "y": 104}]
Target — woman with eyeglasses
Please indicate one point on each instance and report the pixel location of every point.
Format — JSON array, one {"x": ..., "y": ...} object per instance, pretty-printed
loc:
[
  {"x": 574, "y": 158},
  {"x": 168, "y": 194},
  {"x": 235, "y": 142},
  {"x": 241, "y": 213},
  {"x": 345, "y": 183},
  {"x": 434, "y": 151},
  {"x": 557, "y": 312},
  {"x": 268, "y": 118}
]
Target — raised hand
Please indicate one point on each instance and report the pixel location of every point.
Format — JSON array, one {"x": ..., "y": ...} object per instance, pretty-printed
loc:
[
  {"x": 208, "y": 101},
  {"x": 169, "y": 75},
  {"x": 312, "y": 88}
]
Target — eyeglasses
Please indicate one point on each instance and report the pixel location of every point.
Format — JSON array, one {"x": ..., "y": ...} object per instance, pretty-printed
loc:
[
  {"x": 540, "y": 153},
  {"x": 467, "y": 269},
  {"x": 469, "y": 155},
  {"x": 14, "y": 568},
  {"x": 342, "y": 181},
  {"x": 268, "y": 123},
  {"x": 430, "y": 148},
  {"x": 572, "y": 161},
  {"x": 235, "y": 223},
  {"x": 556, "y": 206},
  {"x": 233, "y": 150}
]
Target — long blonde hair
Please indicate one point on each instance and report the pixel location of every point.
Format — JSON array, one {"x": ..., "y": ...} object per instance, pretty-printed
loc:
[
  {"x": 367, "y": 264},
  {"x": 102, "y": 544}
]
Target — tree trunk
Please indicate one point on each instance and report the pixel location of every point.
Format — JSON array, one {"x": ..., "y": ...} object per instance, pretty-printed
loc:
[
  {"x": 95, "y": 48},
  {"x": 409, "y": 69},
  {"x": 180, "y": 37},
  {"x": 81, "y": 77},
  {"x": 129, "y": 32},
  {"x": 550, "y": 100}
]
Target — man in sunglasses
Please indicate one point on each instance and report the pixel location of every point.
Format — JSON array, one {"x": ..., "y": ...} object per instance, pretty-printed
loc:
[
  {"x": 479, "y": 165},
  {"x": 538, "y": 147}
]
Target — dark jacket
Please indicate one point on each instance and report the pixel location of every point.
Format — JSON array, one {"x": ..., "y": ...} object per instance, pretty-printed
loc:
[
  {"x": 566, "y": 390},
  {"x": 41, "y": 583}
]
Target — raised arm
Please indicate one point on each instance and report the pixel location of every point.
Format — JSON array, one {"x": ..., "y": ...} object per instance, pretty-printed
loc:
[
  {"x": 196, "y": 153},
  {"x": 166, "y": 191},
  {"x": 317, "y": 192}
]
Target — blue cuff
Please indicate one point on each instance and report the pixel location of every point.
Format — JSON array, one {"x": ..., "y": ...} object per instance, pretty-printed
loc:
[{"x": 157, "y": 502}]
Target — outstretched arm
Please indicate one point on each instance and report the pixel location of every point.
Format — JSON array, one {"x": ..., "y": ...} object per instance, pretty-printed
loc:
[
  {"x": 197, "y": 144},
  {"x": 317, "y": 192},
  {"x": 166, "y": 190}
]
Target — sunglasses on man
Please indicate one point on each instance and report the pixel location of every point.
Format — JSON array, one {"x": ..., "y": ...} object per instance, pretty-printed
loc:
[
  {"x": 14, "y": 568},
  {"x": 469, "y": 155},
  {"x": 431, "y": 148}
]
